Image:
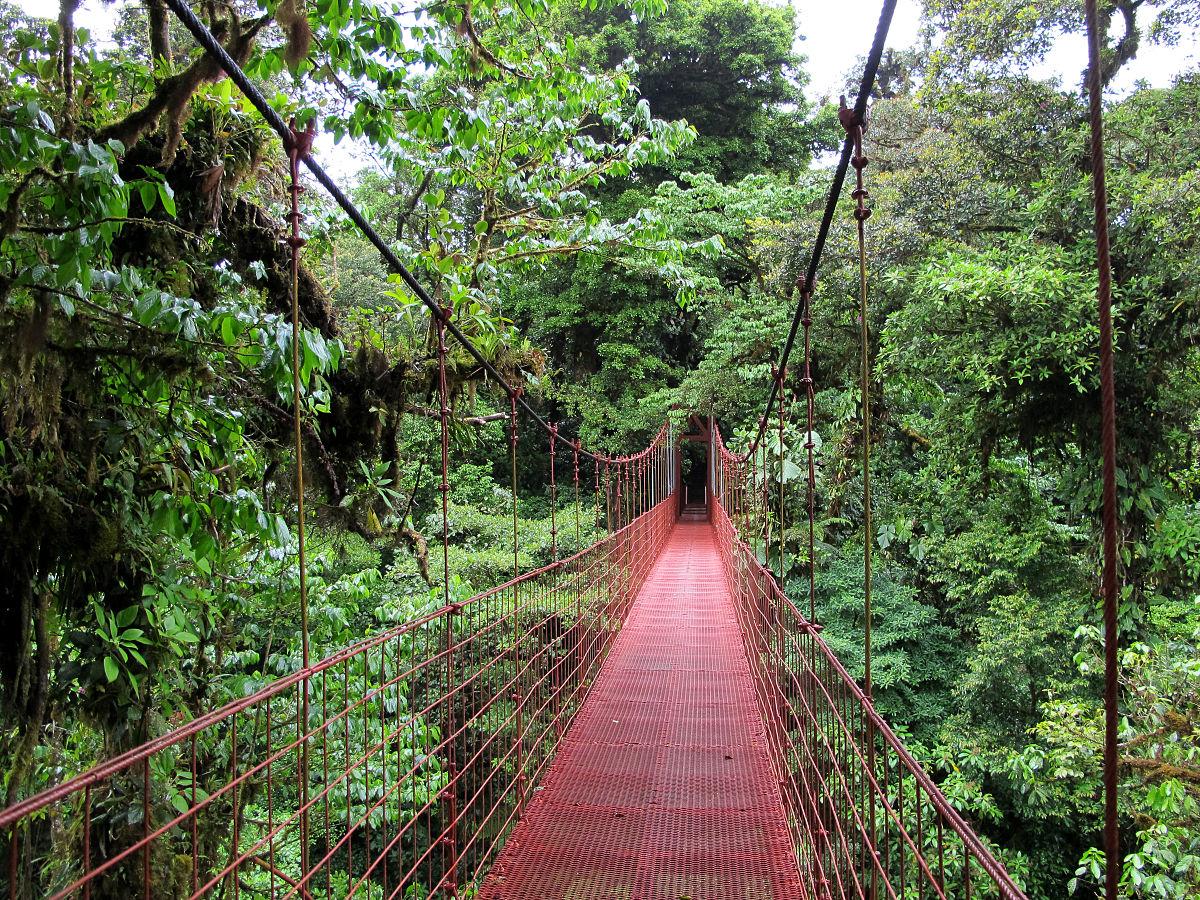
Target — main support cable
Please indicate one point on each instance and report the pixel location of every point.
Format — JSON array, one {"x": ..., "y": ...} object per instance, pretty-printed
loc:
[
  {"x": 835, "y": 191},
  {"x": 208, "y": 41},
  {"x": 1108, "y": 449}
]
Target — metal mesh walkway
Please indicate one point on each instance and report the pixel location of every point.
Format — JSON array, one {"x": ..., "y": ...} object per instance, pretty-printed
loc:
[{"x": 662, "y": 789}]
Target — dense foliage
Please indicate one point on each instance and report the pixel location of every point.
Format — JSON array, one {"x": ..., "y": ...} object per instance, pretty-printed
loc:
[{"x": 613, "y": 197}]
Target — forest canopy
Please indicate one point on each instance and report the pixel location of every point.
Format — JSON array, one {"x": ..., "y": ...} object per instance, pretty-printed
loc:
[{"x": 614, "y": 197}]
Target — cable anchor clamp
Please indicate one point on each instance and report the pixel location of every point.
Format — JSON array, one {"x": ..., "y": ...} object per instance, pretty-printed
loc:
[
  {"x": 849, "y": 118},
  {"x": 300, "y": 143}
]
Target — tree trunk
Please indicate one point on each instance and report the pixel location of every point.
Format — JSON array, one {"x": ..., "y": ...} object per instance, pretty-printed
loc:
[
  {"x": 160, "y": 33},
  {"x": 66, "y": 63}
]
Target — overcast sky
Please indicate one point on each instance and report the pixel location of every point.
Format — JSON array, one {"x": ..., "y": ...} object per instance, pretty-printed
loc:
[{"x": 836, "y": 33}]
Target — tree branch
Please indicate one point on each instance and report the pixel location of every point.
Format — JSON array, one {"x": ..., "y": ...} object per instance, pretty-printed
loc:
[
  {"x": 411, "y": 206},
  {"x": 1158, "y": 768},
  {"x": 469, "y": 420},
  {"x": 174, "y": 94},
  {"x": 160, "y": 33}
]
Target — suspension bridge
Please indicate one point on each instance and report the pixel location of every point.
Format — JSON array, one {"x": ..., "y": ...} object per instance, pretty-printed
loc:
[{"x": 650, "y": 718}]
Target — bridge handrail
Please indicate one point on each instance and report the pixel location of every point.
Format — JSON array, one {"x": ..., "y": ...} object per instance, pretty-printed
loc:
[
  {"x": 458, "y": 722},
  {"x": 941, "y": 804},
  {"x": 106, "y": 769}
]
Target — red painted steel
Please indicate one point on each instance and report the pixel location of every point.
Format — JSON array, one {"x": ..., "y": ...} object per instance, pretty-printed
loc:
[
  {"x": 714, "y": 747},
  {"x": 663, "y": 788},
  {"x": 866, "y": 820},
  {"x": 418, "y": 752},
  {"x": 1110, "y": 515}
]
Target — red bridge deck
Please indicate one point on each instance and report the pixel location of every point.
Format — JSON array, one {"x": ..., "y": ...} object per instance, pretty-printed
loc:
[{"x": 662, "y": 789}]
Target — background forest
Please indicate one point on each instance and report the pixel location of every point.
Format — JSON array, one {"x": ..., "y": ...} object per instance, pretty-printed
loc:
[{"x": 614, "y": 196}]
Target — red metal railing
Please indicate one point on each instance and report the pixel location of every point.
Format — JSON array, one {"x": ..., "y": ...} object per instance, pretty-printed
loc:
[
  {"x": 424, "y": 743},
  {"x": 422, "y": 746},
  {"x": 866, "y": 820}
]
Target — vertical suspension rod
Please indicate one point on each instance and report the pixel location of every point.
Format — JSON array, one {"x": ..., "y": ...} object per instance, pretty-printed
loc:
[
  {"x": 809, "y": 444},
  {"x": 450, "y": 791},
  {"x": 855, "y": 126},
  {"x": 299, "y": 147},
  {"x": 518, "y": 694},
  {"x": 553, "y": 495},
  {"x": 1108, "y": 449},
  {"x": 575, "y": 461},
  {"x": 512, "y": 455},
  {"x": 853, "y": 123},
  {"x": 781, "y": 379}
]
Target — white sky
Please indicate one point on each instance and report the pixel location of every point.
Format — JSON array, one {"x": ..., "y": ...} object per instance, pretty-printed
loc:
[{"x": 836, "y": 32}]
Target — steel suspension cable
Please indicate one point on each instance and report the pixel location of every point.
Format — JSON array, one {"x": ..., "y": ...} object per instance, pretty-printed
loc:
[
  {"x": 518, "y": 696},
  {"x": 596, "y": 517},
  {"x": 751, "y": 500},
  {"x": 1108, "y": 449},
  {"x": 608, "y": 504},
  {"x": 512, "y": 455},
  {"x": 866, "y": 85},
  {"x": 444, "y": 487},
  {"x": 209, "y": 43},
  {"x": 766, "y": 508}
]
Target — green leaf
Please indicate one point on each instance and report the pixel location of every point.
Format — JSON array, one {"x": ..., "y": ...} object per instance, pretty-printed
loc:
[
  {"x": 111, "y": 671},
  {"x": 167, "y": 195},
  {"x": 149, "y": 194}
]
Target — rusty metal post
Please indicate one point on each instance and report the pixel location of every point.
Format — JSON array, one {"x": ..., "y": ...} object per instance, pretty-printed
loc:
[
  {"x": 299, "y": 147},
  {"x": 1108, "y": 443}
]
